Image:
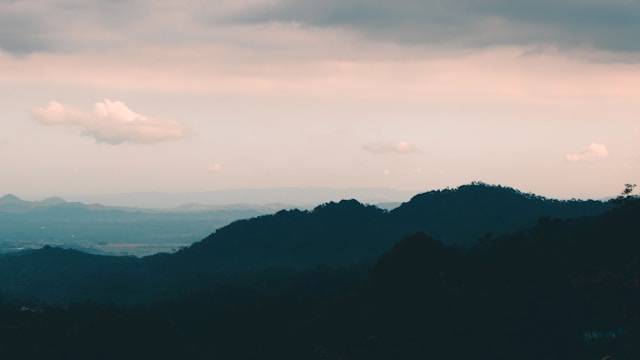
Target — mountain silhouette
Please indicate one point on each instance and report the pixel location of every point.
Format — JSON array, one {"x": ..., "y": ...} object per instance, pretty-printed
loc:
[
  {"x": 350, "y": 232},
  {"x": 463, "y": 215},
  {"x": 10, "y": 202}
]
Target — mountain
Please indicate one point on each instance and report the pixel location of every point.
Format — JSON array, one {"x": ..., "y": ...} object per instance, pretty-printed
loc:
[
  {"x": 463, "y": 215},
  {"x": 11, "y": 202},
  {"x": 349, "y": 232},
  {"x": 331, "y": 234},
  {"x": 334, "y": 234}
]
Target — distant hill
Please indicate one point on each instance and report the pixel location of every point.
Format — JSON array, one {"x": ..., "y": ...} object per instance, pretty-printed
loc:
[{"x": 334, "y": 234}]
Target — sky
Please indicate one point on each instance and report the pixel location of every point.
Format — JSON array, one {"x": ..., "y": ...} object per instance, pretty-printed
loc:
[{"x": 117, "y": 96}]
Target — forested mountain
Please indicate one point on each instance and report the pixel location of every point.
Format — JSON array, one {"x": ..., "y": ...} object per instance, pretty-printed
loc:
[
  {"x": 462, "y": 215},
  {"x": 349, "y": 232},
  {"x": 335, "y": 234}
]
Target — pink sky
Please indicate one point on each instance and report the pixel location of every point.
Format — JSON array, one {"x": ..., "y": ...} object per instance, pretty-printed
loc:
[{"x": 273, "y": 94}]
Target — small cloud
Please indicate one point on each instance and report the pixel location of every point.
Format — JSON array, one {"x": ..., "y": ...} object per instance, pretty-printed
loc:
[
  {"x": 594, "y": 152},
  {"x": 215, "y": 167},
  {"x": 111, "y": 122},
  {"x": 382, "y": 148}
]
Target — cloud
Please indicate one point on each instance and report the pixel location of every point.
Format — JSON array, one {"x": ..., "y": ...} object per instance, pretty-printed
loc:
[
  {"x": 610, "y": 25},
  {"x": 111, "y": 122},
  {"x": 21, "y": 34},
  {"x": 383, "y": 148},
  {"x": 215, "y": 167},
  {"x": 69, "y": 25},
  {"x": 594, "y": 152}
]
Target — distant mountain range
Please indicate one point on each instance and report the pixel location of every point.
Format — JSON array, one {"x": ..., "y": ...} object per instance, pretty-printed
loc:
[
  {"x": 12, "y": 204},
  {"x": 116, "y": 230},
  {"x": 293, "y": 197},
  {"x": 334, "y": 234}
]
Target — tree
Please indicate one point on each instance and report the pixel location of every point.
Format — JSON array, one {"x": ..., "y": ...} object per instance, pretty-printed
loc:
[
  {"x": 628, "y": 190},
  {"x": 626, "y": 194}
]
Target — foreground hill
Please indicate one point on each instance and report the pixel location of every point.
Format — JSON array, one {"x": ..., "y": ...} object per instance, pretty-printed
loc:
[{"x": 335, "y": 234}]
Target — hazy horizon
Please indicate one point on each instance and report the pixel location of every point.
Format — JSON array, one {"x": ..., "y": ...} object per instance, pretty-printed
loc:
[{"x": 283, "y": 197}]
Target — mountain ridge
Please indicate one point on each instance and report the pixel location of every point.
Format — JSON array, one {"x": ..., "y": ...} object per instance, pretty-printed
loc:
[
  {"x": 454, "y": 216},
  {"x": 335, "y": 234}
]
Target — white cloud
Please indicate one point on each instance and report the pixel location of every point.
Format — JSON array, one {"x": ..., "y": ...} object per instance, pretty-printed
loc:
[
  {"x": 594, "y": 152},
  {"x": 111, "y": 122},
  {"x": 399, "y": 148},
  {"x": 215, "y": 167}
]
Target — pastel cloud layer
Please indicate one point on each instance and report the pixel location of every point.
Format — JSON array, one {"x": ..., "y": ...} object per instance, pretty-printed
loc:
[{"x": 111, "y": 122}]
